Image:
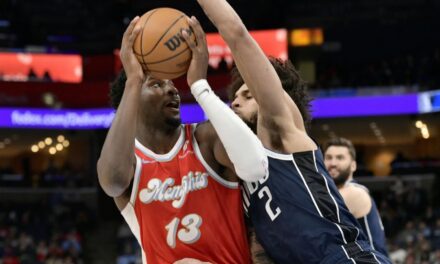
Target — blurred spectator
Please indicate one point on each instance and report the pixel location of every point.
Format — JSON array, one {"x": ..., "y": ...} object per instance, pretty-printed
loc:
[
  {"x": 129, "y": 250},
  {"x": 36, "y": 234},
  {"x": 128, "y": 256},
  {"x": 424, "y": 230},
  {"x": 52, "y": 176},
  {"x": 435, "y": 240},
  {"x": 435, "y": 257},
  {"x": 408, "y": 235},
  {"x": 397, "y": 254}
]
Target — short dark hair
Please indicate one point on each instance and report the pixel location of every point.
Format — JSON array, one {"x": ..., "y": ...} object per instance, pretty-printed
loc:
[
  {"x": 291, "y": 81},
  {"x": 117, "y": 88},
  {"x": 341, "y": 142}
]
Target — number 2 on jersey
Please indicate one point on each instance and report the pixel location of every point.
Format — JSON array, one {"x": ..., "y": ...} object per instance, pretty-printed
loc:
[
  {"x": 272, "y": 215},
  {"x": 188, "y": 234}
]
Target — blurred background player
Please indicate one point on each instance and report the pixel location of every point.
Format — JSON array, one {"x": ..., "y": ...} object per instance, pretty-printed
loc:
[
  {"x": 176, "y": 185},
  {"x": 297, "y": 212},
  {"x": 340, "y": 161}
]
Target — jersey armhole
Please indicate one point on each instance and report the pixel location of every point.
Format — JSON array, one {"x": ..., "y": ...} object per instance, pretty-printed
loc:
[
  {"x": 137, "y": 176},
  {"x": 128, "y": 213},
  {"x": 215, "y": 176}
]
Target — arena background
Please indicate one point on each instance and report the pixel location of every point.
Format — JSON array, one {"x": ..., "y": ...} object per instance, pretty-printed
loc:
[{"x": 372, "y": 66}]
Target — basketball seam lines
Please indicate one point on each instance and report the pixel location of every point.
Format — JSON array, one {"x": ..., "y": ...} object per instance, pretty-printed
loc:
[
  {"x": 168, "y": 29},
  {"x": 167, "y": 72},
  {"x": 169, "y": 58},
  {"x": 142, "y": 37}
]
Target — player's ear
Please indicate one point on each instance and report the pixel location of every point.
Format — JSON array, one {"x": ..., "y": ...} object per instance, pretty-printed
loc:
[{"x": 353, "y": 166}]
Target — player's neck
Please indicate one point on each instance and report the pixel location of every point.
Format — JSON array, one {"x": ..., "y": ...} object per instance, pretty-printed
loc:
[{"x": 158, "y": 139}]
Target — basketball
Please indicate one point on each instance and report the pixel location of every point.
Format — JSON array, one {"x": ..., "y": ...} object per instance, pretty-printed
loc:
[{"x": 160, "y": 46}]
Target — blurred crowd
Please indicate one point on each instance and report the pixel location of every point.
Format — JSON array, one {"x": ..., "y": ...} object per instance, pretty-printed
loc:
[
  {"x": 129, "y": 251},
  {"x": 52, "y": 177},
  {"x": 411, "y": 217},
  {"x": 413, "y": 69},
  {"x": 43, "y": 233},
  {"x": 418, "y": 242}
]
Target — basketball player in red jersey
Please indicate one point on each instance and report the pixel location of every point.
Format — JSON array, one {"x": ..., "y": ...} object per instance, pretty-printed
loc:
[{"x": 176, "y": 185}]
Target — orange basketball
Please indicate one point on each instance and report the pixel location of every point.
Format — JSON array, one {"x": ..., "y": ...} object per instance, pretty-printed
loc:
[{"x": 160, "y": 46}]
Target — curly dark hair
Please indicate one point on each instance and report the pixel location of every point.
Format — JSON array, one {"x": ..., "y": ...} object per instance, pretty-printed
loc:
[
  {"x": 117, "y": 88},
  {"x": 291, "y": 82}
]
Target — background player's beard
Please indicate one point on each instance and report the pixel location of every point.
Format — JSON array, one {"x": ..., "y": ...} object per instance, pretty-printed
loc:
[{"x": 342, "y": 177}]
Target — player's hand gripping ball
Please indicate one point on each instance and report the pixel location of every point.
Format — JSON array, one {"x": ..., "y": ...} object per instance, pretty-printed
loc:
[{"x": 160, "y": 47}]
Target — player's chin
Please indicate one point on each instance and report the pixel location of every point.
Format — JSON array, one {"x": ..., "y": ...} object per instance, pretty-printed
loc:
[
  {"x": 334, "y": 174},
  {"x": 242, "y": 117},
  {"x": 174, "y": 121}
]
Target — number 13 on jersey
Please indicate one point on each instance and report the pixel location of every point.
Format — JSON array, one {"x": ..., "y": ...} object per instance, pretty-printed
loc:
[{"x": 189, "y": 232}]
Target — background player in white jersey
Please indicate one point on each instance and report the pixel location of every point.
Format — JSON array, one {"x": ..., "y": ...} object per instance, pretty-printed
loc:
[
  {"x": 340, "y": 161},
  {"x": 175, "y": 185}
]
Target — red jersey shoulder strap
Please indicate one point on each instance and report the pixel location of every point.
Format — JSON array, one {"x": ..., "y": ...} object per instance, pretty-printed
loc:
[{"x": 229, "y": 184}]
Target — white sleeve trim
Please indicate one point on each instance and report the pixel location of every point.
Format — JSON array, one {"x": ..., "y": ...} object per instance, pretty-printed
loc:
[
  {"x": 367, "y": 226},
  {"x": 276, "y": 155},
  {"x": 163, "y": 157},
  {"x": 137, "y": 176}
]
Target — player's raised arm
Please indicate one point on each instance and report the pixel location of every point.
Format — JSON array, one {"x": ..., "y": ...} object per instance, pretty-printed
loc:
[
  {"x": 117, "y": 160},
  {"x": 253, "y": 65},
  {"x": 236, "y": 141}
]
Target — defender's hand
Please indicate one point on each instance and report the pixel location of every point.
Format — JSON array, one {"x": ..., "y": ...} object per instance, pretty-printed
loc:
[
  {"x": 132, "y": 67},
  {"x": 199, "y": 63}
]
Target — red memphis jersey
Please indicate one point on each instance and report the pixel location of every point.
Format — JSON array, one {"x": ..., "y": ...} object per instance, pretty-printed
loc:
[{"x": 180, "y": 208}]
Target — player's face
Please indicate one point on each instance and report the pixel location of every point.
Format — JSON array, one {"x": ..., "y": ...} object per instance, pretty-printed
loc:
[
  {"x": 339, "y": 163},
  {"x": 160, "y": 98},
  {"x": 245, "y": 106}
]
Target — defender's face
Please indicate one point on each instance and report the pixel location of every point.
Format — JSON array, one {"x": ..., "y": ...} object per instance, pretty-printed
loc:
[
  {"x": 160, "y": 98},
  {"x": 245, "y": 106},
  {"x": 339, "y": 163}
]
